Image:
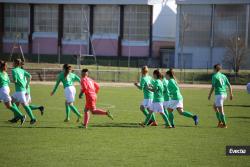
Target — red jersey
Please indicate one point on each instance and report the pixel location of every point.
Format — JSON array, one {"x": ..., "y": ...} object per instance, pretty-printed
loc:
[{"x": 89, "y": 87}]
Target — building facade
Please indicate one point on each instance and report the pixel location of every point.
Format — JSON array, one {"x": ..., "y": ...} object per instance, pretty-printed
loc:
[
  {"x": 118, "y": 28},
  {"x": 204, "y": 29}
]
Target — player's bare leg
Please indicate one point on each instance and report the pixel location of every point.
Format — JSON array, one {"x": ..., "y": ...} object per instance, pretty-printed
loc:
[
  {"x": 222, "y": 117},
  {"x": 217, "y": 116}
]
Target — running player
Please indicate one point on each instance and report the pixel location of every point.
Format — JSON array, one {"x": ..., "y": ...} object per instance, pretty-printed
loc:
[
  {"x": 20, "y": 82},
  {"x": 28, "y": 99},
  {"x": 5, "y": 90},
  {"x": 157, "y": 106},
  {"x": 220, "y": 84},
  {"x": 145, "y": 81},
  {"x": 176, "y": 99},
  {"x": 68, "y": 78},
  {"x": 90, "y": 88}
]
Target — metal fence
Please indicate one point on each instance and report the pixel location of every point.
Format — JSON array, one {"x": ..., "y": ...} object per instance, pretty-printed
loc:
[{"x": 133, "y": 75}]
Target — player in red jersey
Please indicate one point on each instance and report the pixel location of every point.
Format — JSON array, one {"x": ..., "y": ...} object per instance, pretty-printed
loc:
[{"x": 90, "y": 88}]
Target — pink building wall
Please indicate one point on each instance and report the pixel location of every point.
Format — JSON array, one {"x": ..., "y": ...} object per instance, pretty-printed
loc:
[
  {"x": 73, "y": 49},
  {"x": 157, "y": 45},
  {"x": 7, "y": 47},
  {"x": 46, "y": 45},
  {"x": 135, "y": 51},
  {"x": 105, "y": 47}
]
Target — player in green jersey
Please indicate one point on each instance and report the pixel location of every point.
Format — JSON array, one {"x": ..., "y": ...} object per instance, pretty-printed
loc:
[
  {"x": 145, "y": 81},
  {"x": 28, "y": 98},
  {"x": 220, "y": 84},
  {"x": 5, "y": 90},
  {"x": 20, "y": 82},
  {"x": 68, "y": 78},
  {"x": 158, "y": 99},
  {"x": 176, "y": 101}
]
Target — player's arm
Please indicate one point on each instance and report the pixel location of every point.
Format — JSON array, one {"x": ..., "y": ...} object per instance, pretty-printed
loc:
[
  {"x": 140, "y": 86},
  {"x": 28, "y": 77},
  {"x": 230, "y": 89},
  {"x": 77, "y": 78},
  {"x": 97, "y": 87},
  {"x": 83, "y": 89},
  {"x": 210, "y": 92},
  {"x": 56, "y": 85},
  {"x": 14, "y": 76}
]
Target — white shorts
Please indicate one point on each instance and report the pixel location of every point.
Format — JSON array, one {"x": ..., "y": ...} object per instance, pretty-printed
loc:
[
  {"x": 219, "y": 100},
  {"x": 157, "y": 107},
  {"x": 248, "y": 88},
  {"x": 28, "y": 98},
  {"x": 147, "y": 103},
  {"x": 166, "y": 104},
  {"x": 5, "y": 94},
  {"x": 70, "y": 93},
  {"x": 174, "y": 104},
  {"x": 20, "y": 97}
]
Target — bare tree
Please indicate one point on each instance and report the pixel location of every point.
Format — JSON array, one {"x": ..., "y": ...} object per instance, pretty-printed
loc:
[{"x": 236, "y": 52}]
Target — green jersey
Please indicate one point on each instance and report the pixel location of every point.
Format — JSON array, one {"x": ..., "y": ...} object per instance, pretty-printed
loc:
[
  {"x": 19, "y": 78},
  {"x": 158, "y": 91},
  {"x": 144, "y": 82},
  {"x": 28, "y": 86},
  {"x": 4, "y": 79},
  {"x": 166, "y": 91},
  {"x": 174, "y": 90},
  {"x": 220, "y": 83},
  {"x": 68, "y": 81}
]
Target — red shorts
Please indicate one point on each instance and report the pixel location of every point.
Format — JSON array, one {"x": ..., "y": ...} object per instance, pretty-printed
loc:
[{"x": 90, "y": 103}]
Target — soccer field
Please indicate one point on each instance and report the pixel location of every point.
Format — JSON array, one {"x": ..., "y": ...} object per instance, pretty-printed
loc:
[{"x": 122, "y": 142}]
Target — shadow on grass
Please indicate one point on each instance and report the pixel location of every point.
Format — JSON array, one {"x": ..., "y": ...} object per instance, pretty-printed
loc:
[
  {"x": 236, "y": 105},
  {"x": 119, "y": 125},
  {"x": 240, "y": 117}
]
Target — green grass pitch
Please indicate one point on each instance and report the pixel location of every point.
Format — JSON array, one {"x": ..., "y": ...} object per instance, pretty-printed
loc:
[{"x": 122, "y": 142}]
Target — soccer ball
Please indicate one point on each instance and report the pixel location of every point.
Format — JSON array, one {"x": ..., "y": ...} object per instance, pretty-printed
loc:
[{"x": 248, "y": 88}]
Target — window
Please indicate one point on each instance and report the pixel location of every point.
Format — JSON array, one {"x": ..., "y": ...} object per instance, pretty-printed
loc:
[
  {"x": 229, "y": 21},
  {"x": 137, "y": 22},
  {"x": 16, "y": 21},
  {"x": 76, "y": 21},
  {"x": 46, "y": 18},
  {"x": 195, "y": 25},
  {"x": 106, "y": 19}
]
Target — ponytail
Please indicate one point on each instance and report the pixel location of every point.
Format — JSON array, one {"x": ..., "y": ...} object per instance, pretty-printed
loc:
[
  {"x": 67, "y": 69},
  {"x": 158, "y": 74},
  {"x": 171, "y": 74}
]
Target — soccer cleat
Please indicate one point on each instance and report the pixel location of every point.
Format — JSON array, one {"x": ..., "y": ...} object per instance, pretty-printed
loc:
[
  {"x": 110, "y": 115},
  {"x": 224, "y": 126},
  {"x": 196, "y": 120},
  {"x": 150, "y": 122},
  {"x": 23, "y": 119},
  {"x": 173, "y": 126},
  {"x": 66, "y": 120},
  {"x": 154, "y": 124},
  {"x": 220, "y": 124},
  {"x": 142, "y": 124},
  {"x": 14, "y": 120},
  {"x": 83, "y": 126},
  {"x": 41, "y": 108},
  {"x": 169, "y": 127},
  {"x": 33, "y": 121}
]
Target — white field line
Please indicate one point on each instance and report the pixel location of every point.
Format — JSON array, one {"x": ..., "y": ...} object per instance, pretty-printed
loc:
[{"x": 118, "y": 84}]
